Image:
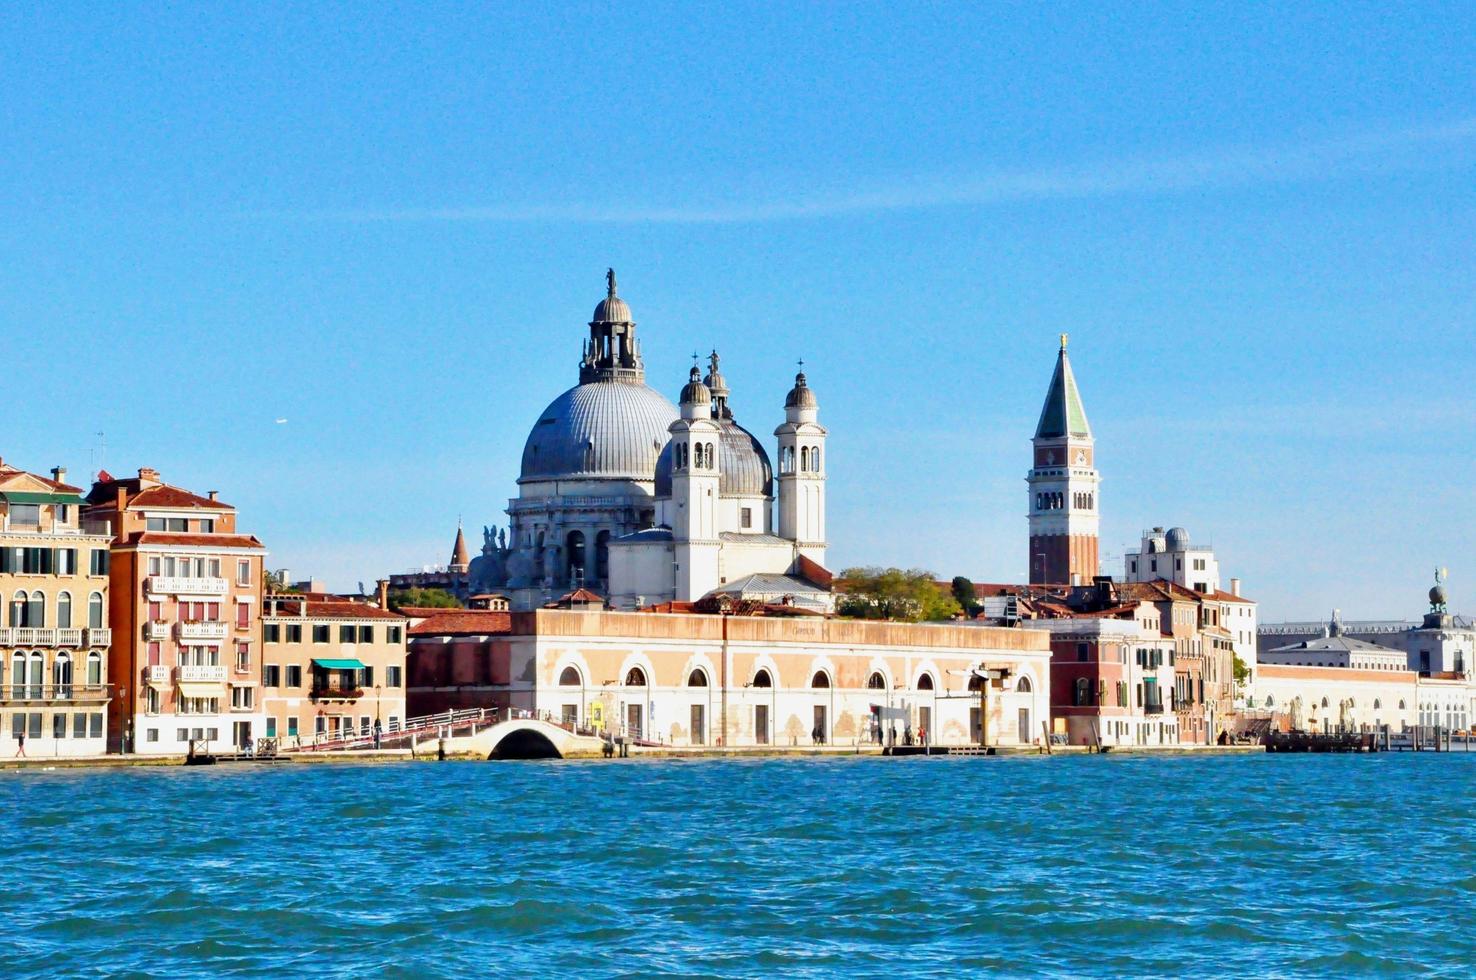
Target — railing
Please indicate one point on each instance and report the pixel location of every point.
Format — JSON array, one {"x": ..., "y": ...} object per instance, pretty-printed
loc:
[
  {"x": 336, "y": 694},
  {"x": 201, "y": 672},
  {"x": 69, "y": 637},
  {"x": 179, "y": 584},
  {"x": 54, "y": 692},
  {"x": 32, "y": 636},
  {"x": 156, "y": 674},
  {"x": 156, "y": 631},
  {"x": 1154, "y": 708},
  {"x": 202, "y": 631},
  {"x": 468, "y": 721},
  {"x": 99, "y": 636}
]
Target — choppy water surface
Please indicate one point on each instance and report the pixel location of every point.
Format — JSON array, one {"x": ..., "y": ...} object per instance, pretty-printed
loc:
[{"x": 1226, "y": 865}]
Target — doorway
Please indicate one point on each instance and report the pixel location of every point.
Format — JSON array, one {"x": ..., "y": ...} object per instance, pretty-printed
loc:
[
  {"x": 925, "y": 724},
  {"x": 633, "y": 720},
  {"x": 1025, "y": 726},
  {"x": 242, "y": 735},
  {"x": 699, "y": 726},
  {"x": 820, "y": 730},
  {"x": 761, "y": 724}
]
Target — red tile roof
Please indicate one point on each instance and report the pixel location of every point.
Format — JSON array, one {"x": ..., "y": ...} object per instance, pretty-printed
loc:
[
  {"x": 193, "y": 540},
  {"x": 463, "y": 622},
  {"x": 104, "y": 491},
  {"x": 343, "y": 609}
]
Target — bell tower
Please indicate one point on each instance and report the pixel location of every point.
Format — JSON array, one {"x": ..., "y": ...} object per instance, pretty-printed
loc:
[
  {"x": 696, "y": 460},
  {"x": 612, "y": 352},
  {"x": 802, "y": 471},
  {"x": 1064, "y": 513}
]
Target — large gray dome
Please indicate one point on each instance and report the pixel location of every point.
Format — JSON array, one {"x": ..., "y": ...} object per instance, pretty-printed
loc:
[
  {"x": 600, "y": 430},
  {"x": 745, "y": 465}
]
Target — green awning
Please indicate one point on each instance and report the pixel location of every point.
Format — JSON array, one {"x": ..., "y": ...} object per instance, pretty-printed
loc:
[
  {"x": 339, "y": 664},
  {"x": 29, "y": 497}
]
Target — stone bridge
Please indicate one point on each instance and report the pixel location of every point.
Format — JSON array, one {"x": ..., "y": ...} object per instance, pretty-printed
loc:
[{"x": 527, "y": 738}]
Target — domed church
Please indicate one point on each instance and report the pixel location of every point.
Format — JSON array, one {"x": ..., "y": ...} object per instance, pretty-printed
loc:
[{"x": 623, "y": 493}]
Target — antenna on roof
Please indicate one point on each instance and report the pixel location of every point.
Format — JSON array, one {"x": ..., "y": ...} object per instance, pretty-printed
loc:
[{"x": 99, "y": 454}]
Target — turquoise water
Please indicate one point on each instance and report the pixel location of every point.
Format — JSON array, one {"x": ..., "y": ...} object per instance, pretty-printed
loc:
[{"x": 1271, "y": 865}]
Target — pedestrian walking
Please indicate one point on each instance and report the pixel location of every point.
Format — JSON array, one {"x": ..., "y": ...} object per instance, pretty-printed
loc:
[{"x": 20, "y": 738}]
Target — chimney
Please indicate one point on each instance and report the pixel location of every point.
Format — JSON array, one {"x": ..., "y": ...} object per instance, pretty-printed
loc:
[
  {"x": 213, "y": 494},
  {"x": 1235, "y": 586},
  {"x": 383, "y": 585},
  {"x": 59, "y": 474},
  {"x": 147, "y": 475}
]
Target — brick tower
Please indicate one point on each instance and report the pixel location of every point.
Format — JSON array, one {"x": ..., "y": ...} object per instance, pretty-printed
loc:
[{"x": 1063, "y": 486}]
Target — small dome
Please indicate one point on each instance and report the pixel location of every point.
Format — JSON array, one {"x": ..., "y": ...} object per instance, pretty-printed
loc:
[
  {"x": 612, "y": 309},
  {"x": 745, "y": 466},
  {"x": 695, "y": 392},
  {"x": 1437, "y": 595},
  {"x": 801, "y": 395},
  {"x": 603, "y": 429},
  {"x": 1178, "y": 539}
]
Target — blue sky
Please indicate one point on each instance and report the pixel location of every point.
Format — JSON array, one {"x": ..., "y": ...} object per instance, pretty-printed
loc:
[{"x": 389, "y": 225}]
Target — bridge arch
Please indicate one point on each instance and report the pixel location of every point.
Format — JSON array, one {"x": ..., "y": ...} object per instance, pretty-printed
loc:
[{"x": 525, "y": 743}]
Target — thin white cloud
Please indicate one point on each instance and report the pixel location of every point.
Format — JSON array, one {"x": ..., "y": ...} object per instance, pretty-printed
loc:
[{"x": 1392, "y": 149}]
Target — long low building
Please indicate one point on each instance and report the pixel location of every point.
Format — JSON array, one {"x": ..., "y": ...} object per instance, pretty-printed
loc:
[
  {"x": 1336, "y": 699},
  {"x": 737, "y": 680}
]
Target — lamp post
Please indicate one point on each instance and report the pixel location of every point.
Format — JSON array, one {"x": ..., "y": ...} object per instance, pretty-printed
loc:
[{"x": 376, "y": 704}]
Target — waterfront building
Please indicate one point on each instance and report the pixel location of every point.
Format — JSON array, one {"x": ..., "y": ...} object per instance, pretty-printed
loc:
[
  {"x": 1113, "y": 679},
  {"x": 738, "y": 680},
  {"x": 623, "y": 493},
  {"x": 1064, "y": 502},
  {"x": 54, "y": 637},
  {"x": 186, "y": 590},
  {"x": 330, "y": 667},
  {"x": 1334, "y": 649}
]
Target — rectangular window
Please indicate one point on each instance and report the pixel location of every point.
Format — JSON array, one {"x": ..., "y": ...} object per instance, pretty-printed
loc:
[
  {"x": 243, "y": 615},
  {"x": 320, "y": 633},
  {"x": 271, "y": 728},
  {"x": 97, "y": 563},
  {"x": 58, "y": 725},
  {"x": 294, "y": 675},
  {"x": 66, "y": 561},
  {"x": 207, "y": 525},
  {"x": 745, "y": 519},
  {"x": 243, "y": 656},
  {"x": 153, "y": 524},
  {"x": 292, "y": 727},
  {"x": 294, "y": 633},
  {"x": 79, "y": 725},
  {"x": 151, "y": 735},
  {"x": 1081, "y": 652},
  {"x": 321, "y": 725},
  {"x": 95, "y": 727},
  {"x": 241, "y": 697},
  {"x": 346, "y": 634},
  {"x": 271, "y": 676},
  {"x": 366, "y": 634},
  {"x": 368, "y": 677},
  {"x": 394, "y": 723},
  {"x": 243, "y": 572},
  {"x": 184, "y": 734},
  {"x": 272, "y": 633},
  {"x": 364, "y": 724},
  {"x": 392, "y": 676},
  {"x": 177, "y": 525},
  {"x": 393, "y": 634}
]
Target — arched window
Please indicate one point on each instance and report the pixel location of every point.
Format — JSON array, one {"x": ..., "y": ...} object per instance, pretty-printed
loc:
[
  {"x": 635, "y": 677},
  {"x": 1401, "y": 704},
  {"x": 815, "y": 458},
  {"x": 1024, "y": 686},
  {"x": 574, "y": 556},
  {"x": 95, "y": 611},
  {"x": 94, "y": 670},
  {"x": 64, "y": 610},
  {"x": 697, "y": 455},
  {"x": 602, "y": 555},
  {"x": 36, "y": 609},
  {"x": 1083, "y": 688},
  {"x": 804, "y": 459},
  {"x": 876, "y": 682},
  {"x": 61, "y": 675},
  {"x": 697, "y": 678},
  {"x": 1324, "y": 702},
  {"x": 710, "y": 456},
  {"x": 925, "y": 682},
  {"x": 1270, "y": 701},
  {"x": 38, "y": 666},
  {"x": 18, "y": 610},
  {"x": 18, "y": 675},
  {"x": 570, "y": 677},
  {"x": 821, "y": 679},
  {"x": 1378, "y": 703},
  {"x": 762, "y": 678}
]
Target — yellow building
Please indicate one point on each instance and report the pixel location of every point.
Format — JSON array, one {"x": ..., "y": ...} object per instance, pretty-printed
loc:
[{"x": 54, "y": 639}]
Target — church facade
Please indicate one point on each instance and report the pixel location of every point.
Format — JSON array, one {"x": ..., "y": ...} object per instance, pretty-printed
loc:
[{"x": 644, "y": 502}]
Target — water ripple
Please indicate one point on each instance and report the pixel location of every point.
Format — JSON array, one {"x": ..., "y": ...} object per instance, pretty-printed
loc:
[{"x": 1283, "y": 866}]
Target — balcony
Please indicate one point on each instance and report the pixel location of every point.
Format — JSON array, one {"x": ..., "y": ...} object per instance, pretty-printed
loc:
[
  {"x": 156, "y": 631},
  {"x": 156, "y": 674},
  {"x": 99, "y": 636},
  {"x": 1153, "y": 708},
  {"x": 180, "y": 585},
  {"x": 201, "y": 672},
  {"x": 201, "y": 631},
  {"x": 53, "y": 692},
  {"x": 336, "y": 693},
  {"x": 31, "y": 636},
  {"x": 69, "y": 637}
]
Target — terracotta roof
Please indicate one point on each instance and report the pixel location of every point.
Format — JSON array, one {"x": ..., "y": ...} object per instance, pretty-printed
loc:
[
  {"x": 1224, "y": 596},
  {"x": 426, "y": 612},
  {"x": 162, "y": 495},
  {"x": 193, "y": 540},
  {"x": 463, "y": 622},
  {"x": 582, "y": 595},
  {"x": 343, "y": 609},
  {"x": 8, "y": 472}
]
